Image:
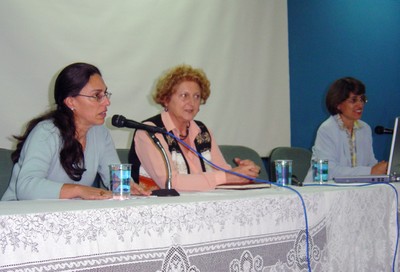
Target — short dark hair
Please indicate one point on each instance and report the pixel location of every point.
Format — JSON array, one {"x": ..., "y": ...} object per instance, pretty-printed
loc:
[{"x": 340, "y": 90}]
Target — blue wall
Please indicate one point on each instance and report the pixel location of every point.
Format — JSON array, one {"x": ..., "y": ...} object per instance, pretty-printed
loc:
[{"x": 329, "y": 39}]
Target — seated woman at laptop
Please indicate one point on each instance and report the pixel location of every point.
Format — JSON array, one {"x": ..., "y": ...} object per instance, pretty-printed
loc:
[
  {"x": 180, "y": 91},
  {"x": 343, "y": 138}
]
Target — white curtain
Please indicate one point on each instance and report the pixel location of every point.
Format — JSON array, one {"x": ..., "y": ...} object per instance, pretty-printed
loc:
[{"x": 242, "y": 45}]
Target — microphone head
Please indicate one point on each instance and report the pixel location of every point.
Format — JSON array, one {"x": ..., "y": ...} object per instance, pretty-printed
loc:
[
  {"x": 379, "y": 130},
  {"x": 118, "y": 121}
]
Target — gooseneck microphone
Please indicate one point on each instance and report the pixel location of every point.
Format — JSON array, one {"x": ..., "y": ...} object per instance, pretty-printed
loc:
[
  {"x": 120, "y": 121},
  {"x": 168, "y": 191},
  {"x": 383, "y": 130}
]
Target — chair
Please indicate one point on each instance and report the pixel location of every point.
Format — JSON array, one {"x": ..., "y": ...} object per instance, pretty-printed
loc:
[
  {"x": 6, "y": 166},
  {"x": 301, "y": 160},
  {"x": 123, "y": 157},
  {"x": 123, "y": 154},
  {"x": 237, "y": 151}
]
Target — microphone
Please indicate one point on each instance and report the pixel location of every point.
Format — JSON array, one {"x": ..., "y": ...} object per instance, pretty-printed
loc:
[
  {"x": 168, "y": 191},
  {"x": 121, "y": 121},
  {"x": 383, "y": 130}
]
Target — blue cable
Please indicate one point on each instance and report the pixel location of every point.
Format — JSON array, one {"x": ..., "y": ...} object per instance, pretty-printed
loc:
[
  {"x": 259, "y": 180},
  {"x": 370, "y": 184}
]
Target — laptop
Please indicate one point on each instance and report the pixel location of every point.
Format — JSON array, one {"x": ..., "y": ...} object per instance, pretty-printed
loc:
[{"x": 393, "y": 171}]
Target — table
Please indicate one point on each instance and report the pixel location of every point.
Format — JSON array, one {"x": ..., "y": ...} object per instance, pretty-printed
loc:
[{"x": 350, "y": 229}]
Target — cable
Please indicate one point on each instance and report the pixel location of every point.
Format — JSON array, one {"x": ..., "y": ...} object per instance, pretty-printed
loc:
[
  {"x": 259, "y": 180},
  {"x": 371, "y": 184}
]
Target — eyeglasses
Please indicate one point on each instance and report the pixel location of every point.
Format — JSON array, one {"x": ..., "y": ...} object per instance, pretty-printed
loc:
[
  {"x": 98, "y": 97},
  {"x": 353, "y": 100},
  {"x": 185, "y": 96}
]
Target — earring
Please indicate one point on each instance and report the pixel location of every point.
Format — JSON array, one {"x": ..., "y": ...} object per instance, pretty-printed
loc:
[
  {"x": 166, "y": 109},
  {"x": 72, "y": 109}
]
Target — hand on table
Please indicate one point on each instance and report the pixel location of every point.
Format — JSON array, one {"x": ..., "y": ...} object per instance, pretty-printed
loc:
[
  {"x": 69, "y": 191},
  {"x": 246, "y": 168},
  {"x": 380, "y": 168},
  {"x": 136, "y": 189}
]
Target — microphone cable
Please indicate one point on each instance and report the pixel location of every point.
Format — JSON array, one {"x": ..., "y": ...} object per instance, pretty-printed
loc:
[
  {"x": 372, "y": 184},
  {"x": 262, "y": 181}
]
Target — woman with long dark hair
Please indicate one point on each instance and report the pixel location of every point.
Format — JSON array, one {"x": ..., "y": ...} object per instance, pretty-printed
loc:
[{"x": 63, "y": 150}]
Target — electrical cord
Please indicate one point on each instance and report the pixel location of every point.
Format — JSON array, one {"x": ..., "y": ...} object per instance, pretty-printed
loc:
[{"x": 259, "y": 180}]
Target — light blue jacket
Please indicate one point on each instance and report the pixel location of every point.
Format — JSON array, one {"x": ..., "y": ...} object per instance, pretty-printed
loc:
[
  {"x": 332, "y": 143},
  {"x": 39, "y": 175}
]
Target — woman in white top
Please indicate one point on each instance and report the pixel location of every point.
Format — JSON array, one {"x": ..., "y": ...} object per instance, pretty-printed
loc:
[{"x": 343, "y": 139}]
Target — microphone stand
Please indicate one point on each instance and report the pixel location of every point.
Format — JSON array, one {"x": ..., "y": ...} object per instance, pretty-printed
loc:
[{"x": 168, "y": 191}]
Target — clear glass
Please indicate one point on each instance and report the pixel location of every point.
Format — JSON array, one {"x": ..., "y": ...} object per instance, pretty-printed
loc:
[
  {"x": 120, "y": 177},
  {"x": 320, "y": 170},
  {"x": 283, "y": 171}
]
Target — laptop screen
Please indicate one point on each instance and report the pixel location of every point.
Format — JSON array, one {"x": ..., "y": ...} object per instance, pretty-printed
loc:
[{"x": 394, "y": 158}]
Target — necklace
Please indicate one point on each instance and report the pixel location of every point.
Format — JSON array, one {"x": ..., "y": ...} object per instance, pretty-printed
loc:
[{"x": 183, "y": 137}]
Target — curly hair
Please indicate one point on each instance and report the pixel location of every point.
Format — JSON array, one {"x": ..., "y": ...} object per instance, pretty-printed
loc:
[
  {"x": 166, "y": 84},
  {"x": 340, "y": 90},
  {"x": 69, "y": 82}
]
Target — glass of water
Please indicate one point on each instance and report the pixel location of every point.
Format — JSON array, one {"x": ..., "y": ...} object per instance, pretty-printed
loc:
[{"x": 120, "y": 177}]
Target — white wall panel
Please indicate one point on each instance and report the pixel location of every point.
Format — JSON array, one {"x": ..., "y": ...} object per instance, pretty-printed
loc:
[{"x": 242, "y": 45}]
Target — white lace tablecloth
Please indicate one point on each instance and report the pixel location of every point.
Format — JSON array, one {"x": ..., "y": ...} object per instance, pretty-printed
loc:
[{"x": 350, "y": 229}]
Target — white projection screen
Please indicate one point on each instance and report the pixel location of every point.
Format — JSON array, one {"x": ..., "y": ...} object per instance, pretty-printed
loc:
[{"x": 242, "y": 45}]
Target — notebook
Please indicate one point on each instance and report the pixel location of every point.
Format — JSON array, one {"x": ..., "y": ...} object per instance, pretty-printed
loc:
[
  {"x": 251, "y": 185},
  {"x": 393, "y": 171}
]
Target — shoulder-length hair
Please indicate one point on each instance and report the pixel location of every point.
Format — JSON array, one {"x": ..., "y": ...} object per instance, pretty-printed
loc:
[{"x": 340, "y": 90}]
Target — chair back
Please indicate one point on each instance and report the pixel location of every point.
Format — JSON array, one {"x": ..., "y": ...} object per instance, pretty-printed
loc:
[
  {"x": 301, "y": 158},
  {"x": 123, "y": 154},
  {"x": 237, "y": 151},
  {"x": 6, "y": 166},
  {"x": 123, "y": 157}
]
